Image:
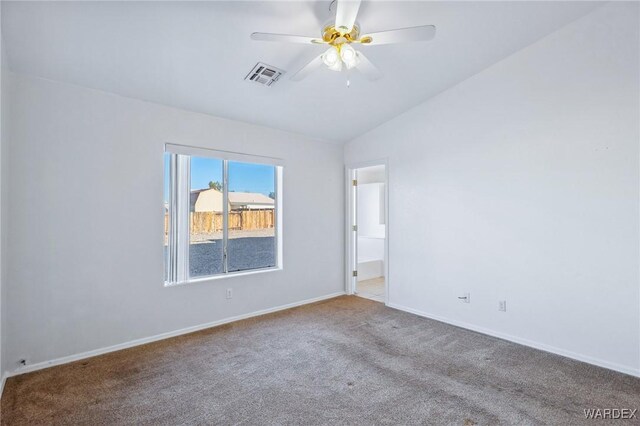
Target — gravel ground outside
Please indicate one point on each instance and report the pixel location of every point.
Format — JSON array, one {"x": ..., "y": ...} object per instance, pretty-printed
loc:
[{"x": 205, "y": 257}]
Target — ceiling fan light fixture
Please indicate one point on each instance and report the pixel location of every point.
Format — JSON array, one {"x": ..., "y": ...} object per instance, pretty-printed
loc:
[
  {"x": 339, "y": 33},
  {"x": 331, "y": 59},
  {"x": 349, "y": 56}
]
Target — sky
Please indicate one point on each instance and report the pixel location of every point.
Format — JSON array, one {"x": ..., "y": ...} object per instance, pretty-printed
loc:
[{"x": 243, "y": 177}]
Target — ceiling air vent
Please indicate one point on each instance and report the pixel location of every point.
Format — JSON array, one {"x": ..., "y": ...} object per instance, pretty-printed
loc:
[{"x": 264, "y": 74}]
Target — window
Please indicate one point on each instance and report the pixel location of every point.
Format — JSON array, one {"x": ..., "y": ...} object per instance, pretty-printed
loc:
[{"x": 221, "y": 213}]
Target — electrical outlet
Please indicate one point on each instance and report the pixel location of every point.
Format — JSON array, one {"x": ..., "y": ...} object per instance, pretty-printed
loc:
[
  {"x": 502, "y": 306},
  {"x": 466, "y": 298},
  {"x": 229, "y": 293}
]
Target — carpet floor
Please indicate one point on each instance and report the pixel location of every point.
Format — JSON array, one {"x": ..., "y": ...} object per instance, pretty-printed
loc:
[{"x": 346, "y": 360}]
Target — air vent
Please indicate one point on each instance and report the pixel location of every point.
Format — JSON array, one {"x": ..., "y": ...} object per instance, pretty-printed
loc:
[{"x": 264, "y": 74}]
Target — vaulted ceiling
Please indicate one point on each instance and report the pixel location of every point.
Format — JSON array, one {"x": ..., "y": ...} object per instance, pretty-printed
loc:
[{"x": 195, "y": 55}]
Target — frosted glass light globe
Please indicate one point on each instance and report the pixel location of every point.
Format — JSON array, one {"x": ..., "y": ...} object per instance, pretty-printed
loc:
[
  {"x": 349, "y": 56},
  {"x": 331, "y": 59}
]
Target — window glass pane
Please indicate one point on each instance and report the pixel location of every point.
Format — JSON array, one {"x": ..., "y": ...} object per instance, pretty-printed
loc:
[
  {"x": 205, "y": 217},
  {"x": 167, "y": 191},
  {"x": 252, "y": 242}
]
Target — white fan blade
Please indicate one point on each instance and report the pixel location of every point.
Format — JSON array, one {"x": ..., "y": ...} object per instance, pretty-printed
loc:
[
  {"x": 346, "y": 15},
  {"x": 286, "y": 38},
  {"x": 367, "y": 68},
  {"x": 308, "y": 69},
  {"x": 403, "y": 35}
]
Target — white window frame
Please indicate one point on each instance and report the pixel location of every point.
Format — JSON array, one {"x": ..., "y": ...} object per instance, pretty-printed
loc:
[{"x": 179, "y": 206}]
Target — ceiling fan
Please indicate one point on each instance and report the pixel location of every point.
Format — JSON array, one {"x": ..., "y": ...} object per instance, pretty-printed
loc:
[{"x": 340, "y": 34}]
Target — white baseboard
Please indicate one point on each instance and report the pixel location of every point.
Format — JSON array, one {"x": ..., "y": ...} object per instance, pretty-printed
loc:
[
  {"x": 137, "y": 342},
  {"x": 532, "y": 344},
  {"x": 3, "y": 379}
]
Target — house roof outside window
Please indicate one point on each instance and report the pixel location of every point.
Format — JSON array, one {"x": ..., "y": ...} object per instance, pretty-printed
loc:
[{"x": 210, "y": 200}]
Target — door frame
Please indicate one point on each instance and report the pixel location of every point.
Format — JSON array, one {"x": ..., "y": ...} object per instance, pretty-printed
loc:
[{"x": 351, "y": 236}]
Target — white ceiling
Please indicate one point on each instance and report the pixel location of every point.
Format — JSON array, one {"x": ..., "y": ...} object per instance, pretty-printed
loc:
[{"x": 195, "y": 55}]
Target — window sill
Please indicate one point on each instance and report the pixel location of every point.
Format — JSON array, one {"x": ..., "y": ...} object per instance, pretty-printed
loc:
[{"x": 223, "y": 276}]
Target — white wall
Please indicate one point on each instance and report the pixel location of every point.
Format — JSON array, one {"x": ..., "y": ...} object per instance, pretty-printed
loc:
[
  {"x": 521, "y": 184},
  {"x": 2, "y": 183},
  {"x": 371, "y": 229},
  {"x": 371, "y": 210},
  {"x": 371, "y": 174},
  {"x": 86, "y": 261}
]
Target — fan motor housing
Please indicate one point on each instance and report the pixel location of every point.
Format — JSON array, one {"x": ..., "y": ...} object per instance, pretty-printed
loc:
[{"x": 331, "y": 35}]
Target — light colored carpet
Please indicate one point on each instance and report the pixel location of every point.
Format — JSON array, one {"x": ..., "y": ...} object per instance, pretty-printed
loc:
[{"x": 344, "y": 361}]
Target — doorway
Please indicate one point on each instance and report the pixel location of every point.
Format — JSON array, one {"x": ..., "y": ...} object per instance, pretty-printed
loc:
[{"x": 367, "y": 275}]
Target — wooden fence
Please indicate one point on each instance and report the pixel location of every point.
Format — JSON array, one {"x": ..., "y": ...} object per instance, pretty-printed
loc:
[{"x": 244, "y": 220}]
